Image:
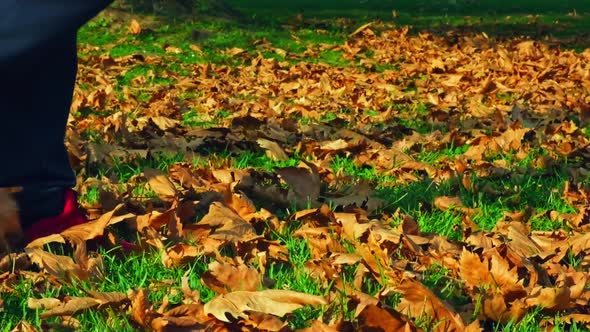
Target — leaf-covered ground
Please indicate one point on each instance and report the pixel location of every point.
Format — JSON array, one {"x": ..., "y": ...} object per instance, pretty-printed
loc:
[{"x": 319, "y": 175}]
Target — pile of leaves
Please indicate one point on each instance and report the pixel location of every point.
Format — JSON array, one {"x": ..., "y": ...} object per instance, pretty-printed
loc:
[{"x": 489, "y": 97}]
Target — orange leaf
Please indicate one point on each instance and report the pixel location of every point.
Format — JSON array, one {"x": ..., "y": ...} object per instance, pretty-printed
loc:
[
  {"x": 134, "y": 27},
  {"x": 374, "y": 318}
]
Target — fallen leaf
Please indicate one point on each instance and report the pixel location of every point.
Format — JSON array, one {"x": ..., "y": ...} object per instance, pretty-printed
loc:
[
  {"x": 62, "y": 267},
  {"x": 71, "y": 307},
  {"x": 134, "y": 27},
  {"x": 24, "y": 326},
  {"x": 225, "y": 278},
  {"x": 160, "y": 183},
  {"x": 274, "y": 302},
  {"x": 273, "y": 150},
  {"x": 43, "y": 303},
  {"x": 304, "y": 184},
  {"x": 373, "y": 318},
  {"x": 417, "y": 300}
]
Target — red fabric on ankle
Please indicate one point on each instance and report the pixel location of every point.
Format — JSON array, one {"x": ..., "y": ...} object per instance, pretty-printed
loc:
[{"x": 70, "y": 216}]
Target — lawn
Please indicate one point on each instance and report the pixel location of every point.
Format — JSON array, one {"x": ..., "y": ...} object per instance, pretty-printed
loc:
[{"x": 323, "y": 166}]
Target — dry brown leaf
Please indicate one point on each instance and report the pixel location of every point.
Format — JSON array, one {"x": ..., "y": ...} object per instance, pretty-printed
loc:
[
  {"x": 181, "y": 254},
  {"x": 233, "y": 227},
  {"x": 317, "y": 326},
  {"x": 554, "y": 298},
  {"x": 160, "y": 183},
  {"x": 417, "y": 301},
  {"x": 44, "y": 303},
  {"x": 71, "y": 307},
  {"x": 335, "y": 145},
  {"x": 274, "y": 302},
  {"x": 445, "y": 203},
  {"x": 273, "y": 150},
  {"x": 360, "y": 29},
  {"x": 134, "y": 27},
  {"x": 226, "y": 278},
  {"x": 265, "y": 322},
  {"x": 24, "y": 326},
  {"x": 163, "y": 122},
  {"x": 361, "y": 196},
  {"x": 62, "y": 267},
  {"x": 304, "y": 184},
  {"x": 373, "y": 318},
  {"x": 139, "y": 307},
  {"x": 473, "y": 271},
  {"x": 582, "y": 319}
]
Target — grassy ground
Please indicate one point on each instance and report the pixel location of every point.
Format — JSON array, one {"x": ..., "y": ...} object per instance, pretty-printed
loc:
[{"x": 201, "y": 41}]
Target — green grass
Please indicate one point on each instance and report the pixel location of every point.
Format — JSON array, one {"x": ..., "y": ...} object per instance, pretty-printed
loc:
[
  {"x": 516, "y": 193},
  {"x": 275, "y": 22},
  {"x": 122, "y": 274}
]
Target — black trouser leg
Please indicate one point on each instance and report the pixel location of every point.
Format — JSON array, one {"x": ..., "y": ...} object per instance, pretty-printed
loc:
[{"x": 35, "y": 99}]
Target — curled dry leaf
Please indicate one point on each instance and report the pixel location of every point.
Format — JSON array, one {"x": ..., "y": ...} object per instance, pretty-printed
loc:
[
  {"x": 71, "y": 306},
  {"x": 265, "y": 322},
  {"x": 83, "y": 232},
  {"x": 361, "y": 196},
  {"x": 273, "y": 150},
  {"x": 275, "y": 302},
  {"x": 180, "y": 254}
]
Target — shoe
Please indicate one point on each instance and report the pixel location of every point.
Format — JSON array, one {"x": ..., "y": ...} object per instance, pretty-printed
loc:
[{"x": 70, "y": 216}]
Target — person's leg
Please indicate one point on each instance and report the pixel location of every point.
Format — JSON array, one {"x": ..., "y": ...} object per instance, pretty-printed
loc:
[{"x": 35, "y": 101}]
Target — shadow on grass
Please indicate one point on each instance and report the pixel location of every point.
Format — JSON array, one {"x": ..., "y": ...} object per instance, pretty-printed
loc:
[{"x": 565, "y": 23}]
